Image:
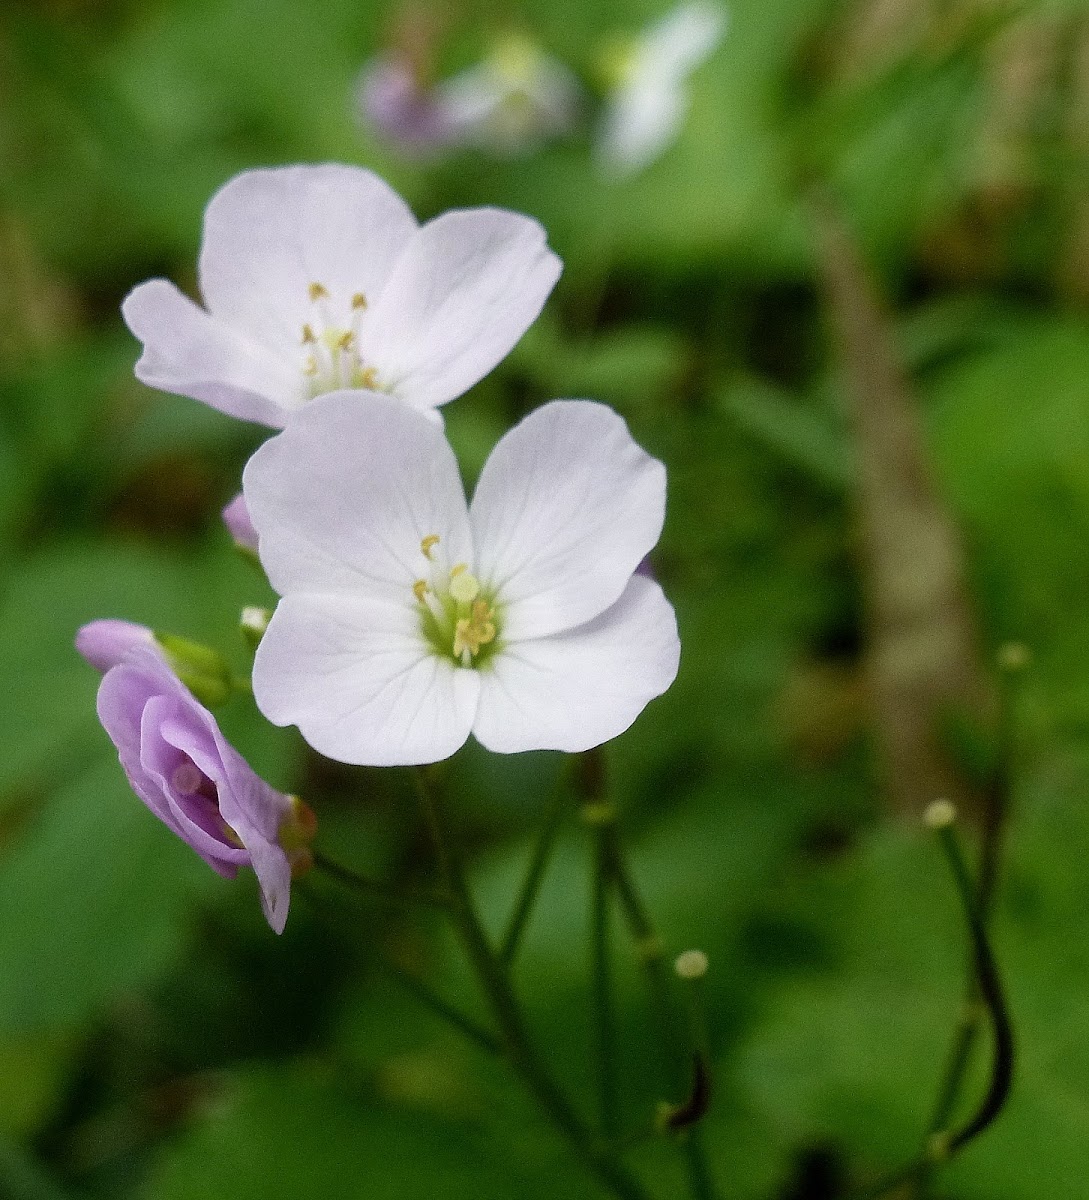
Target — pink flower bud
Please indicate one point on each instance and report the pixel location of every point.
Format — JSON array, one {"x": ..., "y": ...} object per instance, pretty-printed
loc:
[{"x": 105, "y": 643}]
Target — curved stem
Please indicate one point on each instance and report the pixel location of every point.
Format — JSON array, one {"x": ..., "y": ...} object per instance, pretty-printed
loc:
[
  {"x": 507, "y": 1012},
  {"x": 531, "y": 886}
]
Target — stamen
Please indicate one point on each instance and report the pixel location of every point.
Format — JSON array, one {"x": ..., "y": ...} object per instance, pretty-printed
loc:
[
  {"x": 474, "y": 631},
  {"x": 420, "y": 589},
  {"x": 308, "y": 337},
  {"x": 367, "y": 378},
  {"x": 359, "y": 300},
  {"x": 428, "y": 544},
  {"x": 317, "y": 291},
  {"x": 346, "y": 340},
  {"x": 311, "y": 365}
]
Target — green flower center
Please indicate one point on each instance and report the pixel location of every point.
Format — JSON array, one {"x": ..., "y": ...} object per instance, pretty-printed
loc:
[{"x": 459, "y": 620}]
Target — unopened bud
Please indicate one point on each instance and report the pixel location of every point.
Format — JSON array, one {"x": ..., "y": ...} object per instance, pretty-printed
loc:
[
  {"x": 202, "y": 669},
  {"x": 692, "y": 964},
  {"x": 253, "y": 622},
  {"x": 236, "y": 516},
  {"x": 940, "y": 815}
]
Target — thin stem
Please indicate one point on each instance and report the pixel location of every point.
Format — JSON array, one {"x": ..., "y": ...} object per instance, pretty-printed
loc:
[
  {"x": 375, "y": 889},
  {"x": 442, "y": 1008},
  {"x": 651, "y": 952},
  {"x": 990, "y": 986},
  {"x": 496, "y": 986},
  {"x": 422, "y": 991},
  {"x": 944, "y": 1144},
  {"x": 604, "y": 1017},
  {"x": 1012, "y": 660},
  {"x": 531, "y": 885}
]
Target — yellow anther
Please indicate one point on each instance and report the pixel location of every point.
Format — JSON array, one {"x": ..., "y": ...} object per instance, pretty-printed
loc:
[
  {"x": 463, "y": 587},
  {"x": 359, "y": 300},
  {"x": 428, "y": 544},
  {"x": 311, "y": 367},
  {"x": 367, "y": 377},
  {"x": 474, "y": 631},
  {"x": 346, "y": 340},
  {"x": 318, "y": 291},
  {"x": 308, "y": 336},
  {"x": 419, "y": 589}
]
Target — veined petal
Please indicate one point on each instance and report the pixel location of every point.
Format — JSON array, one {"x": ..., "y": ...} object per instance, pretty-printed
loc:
[
  {"x": 343, "y": 498},
  {"x": 566, "y": 508},
  {"x": 192, "y": 354},
  {"x": 361, "y": 683},
  {"x": 466, "y": 288},
  {"x": 269, "y": 234},
  {"x": 578, "y": 689}
]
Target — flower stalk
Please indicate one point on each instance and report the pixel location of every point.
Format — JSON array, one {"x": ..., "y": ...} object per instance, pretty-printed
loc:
[{"x": 495, "y": 983}]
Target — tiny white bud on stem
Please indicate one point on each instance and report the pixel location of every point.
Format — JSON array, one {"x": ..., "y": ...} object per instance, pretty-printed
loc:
[
  {"x": 940, "y": 815},
  {"x": 691, "y": 964}
]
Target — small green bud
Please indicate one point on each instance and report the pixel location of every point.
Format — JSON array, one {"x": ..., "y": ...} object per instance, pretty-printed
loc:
[
  {"x": 253, "y": 622},
  {"x": 199, "y": 667}
]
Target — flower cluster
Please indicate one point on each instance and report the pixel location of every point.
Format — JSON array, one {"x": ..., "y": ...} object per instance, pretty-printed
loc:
[
  {"x": 518, "y": 96},
  {"x": 409, "y": 617}
]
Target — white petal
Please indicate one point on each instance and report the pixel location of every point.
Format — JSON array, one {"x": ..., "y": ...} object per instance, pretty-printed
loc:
[
  {"x": 639, "y": 124},
  {"x": 578, "y": 689},
  {"x": 270, "y": 234},
  {"x": 566, "y": 508},
  {"x": 191, "y": 354},
  {"x": 466, "y": 288},
  {"x": 360, "y": 682},
  {"x": 342, "y": 499},
  {"x": 683, "y": 38}
]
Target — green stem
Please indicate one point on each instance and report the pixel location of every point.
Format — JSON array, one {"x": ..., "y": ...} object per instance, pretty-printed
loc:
[
  {"x": 494, "y": 982},
  {"x": 944, "y": 1144},
  {"x": 651, "y": 952},
  {"x": 375, "y": 889},
  {"x": 995, "y": 820},
  {"x": 442, "y": 1008},
  {"x": 531, "y": 885},
  {"x": 605, "y": 1023}
]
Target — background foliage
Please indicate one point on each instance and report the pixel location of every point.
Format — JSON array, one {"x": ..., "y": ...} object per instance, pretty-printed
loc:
[{"x": 155, "y": 1040}]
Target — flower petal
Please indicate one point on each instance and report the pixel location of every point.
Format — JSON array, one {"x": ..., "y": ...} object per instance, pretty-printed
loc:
[
  {"x": 191, "y": 354},
  {"x": 270, "y": 234},
  {"x": 566, "y": 508},
  {"x": 358, "y": 679},
  {"x": 466, "y": 288},
  {"x": 342, "y": 499},
  {"x": 640, "y": 123},
  {"x": 578, "y": 689}
]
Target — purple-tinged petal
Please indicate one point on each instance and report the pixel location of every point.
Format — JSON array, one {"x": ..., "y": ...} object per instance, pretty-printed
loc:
[
  {"x": 106, "y": 642},
  {"x": 194, "y": 781},
  {"x": 236, "y": 516}
]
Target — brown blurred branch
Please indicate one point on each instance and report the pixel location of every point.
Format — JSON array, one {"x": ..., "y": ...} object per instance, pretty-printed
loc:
[{"x": 924, "y": 666}]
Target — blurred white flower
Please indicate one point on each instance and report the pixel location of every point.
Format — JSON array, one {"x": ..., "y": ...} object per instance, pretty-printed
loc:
[
  {"x": 513, "y": 100},
  {"x": 646, "y": 107},
  {"x": 318, "y": 278},
  {"x": 409, "y": 619}
]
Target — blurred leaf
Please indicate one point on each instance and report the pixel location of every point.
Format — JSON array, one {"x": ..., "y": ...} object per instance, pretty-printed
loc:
[{"x": 97, "y": 898}]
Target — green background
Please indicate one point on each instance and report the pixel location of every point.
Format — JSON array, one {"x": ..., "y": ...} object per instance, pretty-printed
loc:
[{"x": 156, "y": 1041}]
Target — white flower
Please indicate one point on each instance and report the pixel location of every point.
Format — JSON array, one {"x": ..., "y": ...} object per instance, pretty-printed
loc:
[
  {"x": 410, "y": 619},
  {"x": 647, "y": 107},
  {"x": 318, "y": 278},
  {"x": 517, "y": 97}
]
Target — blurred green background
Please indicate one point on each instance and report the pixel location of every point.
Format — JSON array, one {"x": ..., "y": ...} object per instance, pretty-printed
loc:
[{"x": 156, "y": 1041}]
